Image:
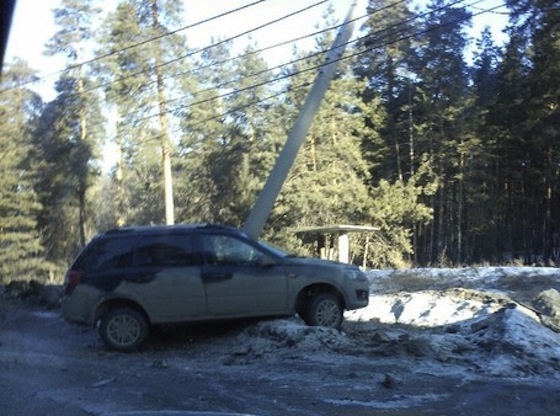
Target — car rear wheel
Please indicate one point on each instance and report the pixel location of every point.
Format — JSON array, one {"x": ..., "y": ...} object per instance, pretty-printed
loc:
[
  {"x": 324, "y": 309},
  {"x": 123, "y": 329}
]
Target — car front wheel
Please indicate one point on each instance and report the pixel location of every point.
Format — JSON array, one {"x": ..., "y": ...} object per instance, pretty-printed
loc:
[
  {"x": 324, "y": 309},
  {"x": 123, "y": 329}
]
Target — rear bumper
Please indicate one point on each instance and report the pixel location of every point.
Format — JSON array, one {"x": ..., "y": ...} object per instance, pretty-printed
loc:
[
  {"x": 80, "y": 305},
  {"x": 72, "y": 311}
]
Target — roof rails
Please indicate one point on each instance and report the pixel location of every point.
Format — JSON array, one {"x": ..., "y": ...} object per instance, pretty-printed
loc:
[{"x": 159, "y": 227}]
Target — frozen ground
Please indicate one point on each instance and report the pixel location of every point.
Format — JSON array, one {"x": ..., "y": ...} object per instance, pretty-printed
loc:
[
  {"x": 486, "y": 319},
  {"x": 432, "y": 342}
]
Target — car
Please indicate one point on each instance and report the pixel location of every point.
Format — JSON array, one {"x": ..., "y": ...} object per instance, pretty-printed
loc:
[{"x": 128, "y": 279}]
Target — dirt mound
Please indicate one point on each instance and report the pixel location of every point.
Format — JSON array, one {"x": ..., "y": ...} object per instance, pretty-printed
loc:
[
  {"x": 33, "y": 292},
  {"x": 547, "y": 303}
]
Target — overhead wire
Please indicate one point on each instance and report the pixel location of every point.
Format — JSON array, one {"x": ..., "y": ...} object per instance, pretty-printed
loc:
[
  {"x": 222, "y": 62},
  {"x": 371, "y": 46},
  {"x": 141, "y": 43},
  {"x": 255, "y": 52},
  {"x": 350, "y": 56},
  {"x": 505, "y": 13},
  {"x": 264, "y": 49},
  {"x": 250, "y": 104},
  {"x": 279, "y": 66},
  {"x": 293, "y": 62},
  {"x": 220, "y": 42},
  {"x": 172, "y": 32}
]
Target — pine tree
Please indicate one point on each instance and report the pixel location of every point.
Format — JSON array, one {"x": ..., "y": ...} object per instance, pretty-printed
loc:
[
  {"x": 385, "y": 62},
  {"x": 528, "y": 96},
  {"x": 544, "y": 128},
  {"x": 443, "y": 112},
  {"x": 124, "y": 73},
  {"x": 69, "y": 171},
  {"x": 21, "y": 254},
  {"x": 156, "y": 18},
  {"x": 399, "y": 166},
  {"x": 205, "y": 134},
  {"x": 83, "y": 128},
  {"x": 244, "y": 155},
  {"x": 482, "y": 190}
]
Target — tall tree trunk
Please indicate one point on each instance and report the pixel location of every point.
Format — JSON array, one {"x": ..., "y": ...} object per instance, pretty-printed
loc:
[
  {"x": 164, "y": 125},
  {"x": 410, "y": 129},
  {"x": 398, "y": 154},
  {"x": 83, "y": 179},
  {"x": 119, "y": 178},
  {"x": 460, "y": 204}
]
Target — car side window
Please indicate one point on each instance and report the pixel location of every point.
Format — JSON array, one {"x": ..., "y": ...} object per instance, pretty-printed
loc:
[
  {"x": 165, "y": 250},
  {"x": 114, "y": 253},
  {"x": 223, "y": 250}
]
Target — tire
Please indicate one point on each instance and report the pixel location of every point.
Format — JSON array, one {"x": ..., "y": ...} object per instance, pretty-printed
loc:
[
  {"x": 123, "y": 329},
  {"x": 324, "y": 309}
]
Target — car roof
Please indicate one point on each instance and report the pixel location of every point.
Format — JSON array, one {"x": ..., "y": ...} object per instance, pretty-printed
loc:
[{"x": 155, "y": 229}]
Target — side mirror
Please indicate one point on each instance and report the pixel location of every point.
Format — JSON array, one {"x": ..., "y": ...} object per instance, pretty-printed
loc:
[{"x": 266, "y": 261}]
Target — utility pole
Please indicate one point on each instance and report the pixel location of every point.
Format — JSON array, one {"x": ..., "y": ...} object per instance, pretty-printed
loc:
[{"x": 261, "y": 211}]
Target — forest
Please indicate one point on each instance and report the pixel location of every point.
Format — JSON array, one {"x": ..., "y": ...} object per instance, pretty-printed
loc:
[{"x": 455, "y": 160}]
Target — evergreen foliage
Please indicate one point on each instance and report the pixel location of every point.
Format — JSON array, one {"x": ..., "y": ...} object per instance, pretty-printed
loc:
[
  {"x": 70, "y": 129},
  {"x": 21, "y": 250},
  {"x": 453, "y": 162}
]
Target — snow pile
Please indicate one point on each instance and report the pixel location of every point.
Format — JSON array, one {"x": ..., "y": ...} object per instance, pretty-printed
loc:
[
  {"x": 517, "y": 344},
  {"x": 288, "y": 335},
  {"x": 426, "y": 309},
  {"x": 496, "y": 279},
  {"x": 446, "y": 317}
]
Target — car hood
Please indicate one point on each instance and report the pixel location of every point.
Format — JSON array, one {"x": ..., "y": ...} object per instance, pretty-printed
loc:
[{"x": 312, "y": 261}]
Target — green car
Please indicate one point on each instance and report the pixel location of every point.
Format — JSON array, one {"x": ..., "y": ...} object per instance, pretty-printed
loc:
[{"x": 128, "y": 279}]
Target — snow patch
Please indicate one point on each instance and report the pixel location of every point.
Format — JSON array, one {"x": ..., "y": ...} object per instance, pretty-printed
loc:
[
  {"x": 424, "y": 309},
  {"x": 397, "y": 402},
  {"x": 268, "y": 336}
]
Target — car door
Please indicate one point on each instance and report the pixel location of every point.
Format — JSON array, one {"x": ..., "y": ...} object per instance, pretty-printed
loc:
[
  {"x": 240, "y": 279},
  {"x": 168, "y": 278}
]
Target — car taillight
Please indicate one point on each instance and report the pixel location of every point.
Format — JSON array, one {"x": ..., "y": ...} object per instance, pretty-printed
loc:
[{"x": 71, "y": 280}]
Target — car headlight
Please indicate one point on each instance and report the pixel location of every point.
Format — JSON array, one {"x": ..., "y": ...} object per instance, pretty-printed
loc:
[{"x": 354, "y": 274}]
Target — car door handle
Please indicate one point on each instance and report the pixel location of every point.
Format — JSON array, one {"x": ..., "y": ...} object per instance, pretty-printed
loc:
[
  {"x": 143, "y": 278},
  {"x": 217, "y": 276}
]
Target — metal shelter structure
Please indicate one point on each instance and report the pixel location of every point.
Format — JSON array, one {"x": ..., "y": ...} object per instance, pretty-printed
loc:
[{"x": 341, "y": 232}]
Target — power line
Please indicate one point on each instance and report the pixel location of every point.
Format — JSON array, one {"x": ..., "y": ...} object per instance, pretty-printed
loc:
[
  {"x": 263, "y": 49},
  {"x": 505, "y": 13},
  {"x": 347, "y": 57},
  {"x": 141, "y": 43},
  {"x": 234, "y": 110},
  {"x": 233, "y": 81},
  {"x": 237, "y": 91},
  {"x": 191, "y": 95},
  {"x": 163, "y": 35},
  {"x": 366, "y": 39},
  {"x": 221, "y": 42},
  {"x": 379, "y": 43}
]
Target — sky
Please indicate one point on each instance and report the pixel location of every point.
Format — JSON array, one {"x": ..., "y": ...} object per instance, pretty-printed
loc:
[{"x": 29, "y": 44}]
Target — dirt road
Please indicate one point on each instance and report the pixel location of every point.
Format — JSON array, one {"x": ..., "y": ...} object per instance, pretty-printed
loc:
[{"x": 51, "y": 367}]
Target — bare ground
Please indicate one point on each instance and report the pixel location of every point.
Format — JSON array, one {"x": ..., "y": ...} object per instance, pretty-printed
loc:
[{"x": 51, "y": 367}]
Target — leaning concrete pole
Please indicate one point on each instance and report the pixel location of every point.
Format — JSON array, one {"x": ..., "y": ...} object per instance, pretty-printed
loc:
[{"x": 260, "y": 212}]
